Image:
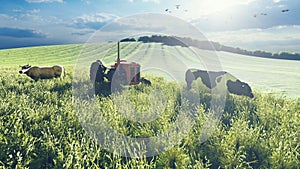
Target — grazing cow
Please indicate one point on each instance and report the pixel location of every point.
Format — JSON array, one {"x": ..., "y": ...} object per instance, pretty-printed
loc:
[
  {"x": 44, "y": 72},
  {"x": 212, "y": 79}
]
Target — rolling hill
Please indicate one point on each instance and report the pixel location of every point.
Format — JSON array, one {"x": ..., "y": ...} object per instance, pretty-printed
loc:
[{"x": 269, "y": 75}]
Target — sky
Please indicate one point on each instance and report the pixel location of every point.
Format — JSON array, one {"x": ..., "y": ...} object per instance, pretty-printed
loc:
[{"x": 270, "y": 25}]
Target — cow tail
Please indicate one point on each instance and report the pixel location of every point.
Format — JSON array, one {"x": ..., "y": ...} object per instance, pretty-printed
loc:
[{"x": 63, "y": 72}]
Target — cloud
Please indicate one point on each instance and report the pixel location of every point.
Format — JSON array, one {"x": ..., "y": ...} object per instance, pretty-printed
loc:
[
  {"x": 96, "y": 21},
  {"x": 155, "y": 1},
  {"x": 34, "y": 11},
  {"x": 276, "y": 1},
  {"x": 273, "y": 39},
  {"x": 17, "y": 10},
  {"x": 145, "y": 24},
  {"x": 199, "y": 8},
  {"x": 4, "y": 16},
  {"x": 86, "y": 1},
  {"x": 82, "y": 33},
  {"x": 41, "y": 1},
  {"x": 247, "y": 17},
  {"x": 20, "y": 33},
  {"x": 30, "y": 28}
]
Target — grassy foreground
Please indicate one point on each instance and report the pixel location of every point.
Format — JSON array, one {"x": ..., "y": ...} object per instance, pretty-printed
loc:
[
  {"x": 39, "y": 126},
  {"x": 39, "y": 129}
]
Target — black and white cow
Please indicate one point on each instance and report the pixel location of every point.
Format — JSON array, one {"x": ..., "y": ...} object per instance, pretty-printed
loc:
[{"x": 213, "y": 79}]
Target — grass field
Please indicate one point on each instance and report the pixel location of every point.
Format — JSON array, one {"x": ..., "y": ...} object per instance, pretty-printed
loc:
[
  {"x": 280, "y": 77},
  {"x": 40, "y": 126}
]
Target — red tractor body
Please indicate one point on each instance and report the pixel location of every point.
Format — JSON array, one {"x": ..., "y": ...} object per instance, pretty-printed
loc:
[
  {"x": 120, "y": 74},
  {"x": 128, "y": 71}
]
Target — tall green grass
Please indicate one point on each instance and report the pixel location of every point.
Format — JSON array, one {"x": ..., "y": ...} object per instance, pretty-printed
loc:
[{"x": 39, "y": 128}]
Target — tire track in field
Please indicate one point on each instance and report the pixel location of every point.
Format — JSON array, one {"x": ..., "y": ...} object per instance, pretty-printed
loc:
[
  {"x": 139, "y": 53},
  {"x": 135, "y": 48},
  {"x": 198, "y": 58},
  {"x": 161, "y": 59},
  {"x": 40, "y": 55},
  {"x": 148, "y": 54},
  {"x": 111, "y": 54},
  {"x": 107, "y": 53},
  {"x": 186, "y": 55},
  {"x": 61, "y": 54},
  {"x": 173, "y": 62},
  {"x": 145, "y": 55}
]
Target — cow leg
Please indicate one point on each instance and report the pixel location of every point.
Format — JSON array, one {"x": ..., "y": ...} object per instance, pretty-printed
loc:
[
  {"x": 189, "y": 77},
  {"x": 189, "y": 84}
]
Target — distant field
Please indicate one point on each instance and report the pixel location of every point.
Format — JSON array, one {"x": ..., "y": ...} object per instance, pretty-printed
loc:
[
  {"x": 43, "y": 55},
  {"x": 280, "y": 77}
]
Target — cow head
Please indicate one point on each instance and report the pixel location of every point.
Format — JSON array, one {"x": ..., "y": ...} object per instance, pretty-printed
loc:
[
  {"x": 24, "y": 68},
  {"x": 239, "y": 88}
]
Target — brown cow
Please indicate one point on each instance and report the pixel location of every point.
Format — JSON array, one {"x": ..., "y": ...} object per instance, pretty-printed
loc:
[{"x": 42, "y": 72}]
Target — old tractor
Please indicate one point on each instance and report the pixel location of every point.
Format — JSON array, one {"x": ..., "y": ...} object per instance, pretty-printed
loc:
[{"x": 120, "y": 74}]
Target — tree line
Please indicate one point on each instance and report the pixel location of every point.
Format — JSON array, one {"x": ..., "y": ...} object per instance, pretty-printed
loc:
[{"x": 210, "y": 45}]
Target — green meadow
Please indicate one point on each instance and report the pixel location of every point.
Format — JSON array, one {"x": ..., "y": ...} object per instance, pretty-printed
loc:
[
  {"x": 40, "y": 126},
  {"x": 276, "y": 76}
]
